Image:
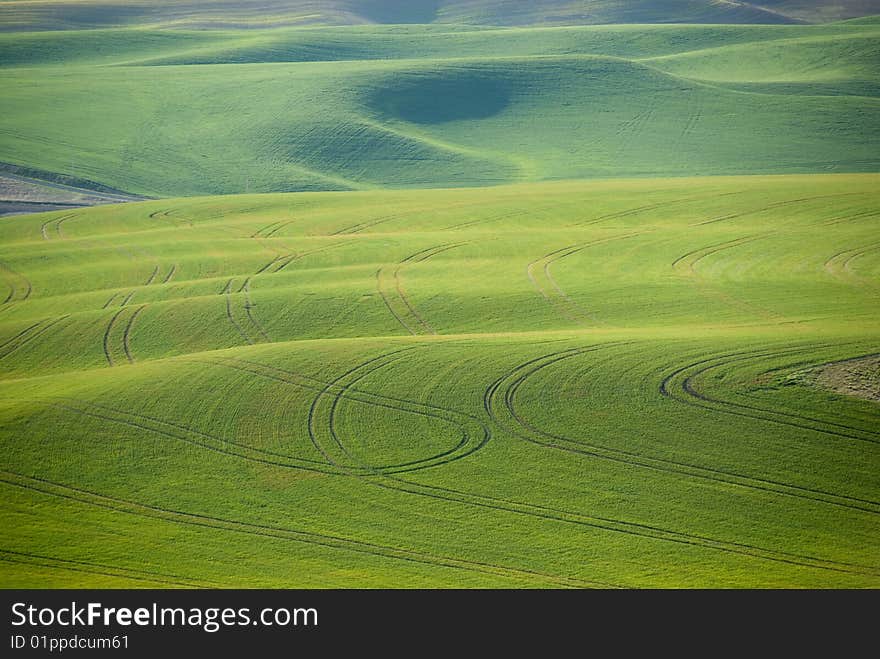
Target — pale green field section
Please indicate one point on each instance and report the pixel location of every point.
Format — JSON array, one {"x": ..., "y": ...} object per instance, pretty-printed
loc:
[
  {"x": 559, "y": 384},
  {"x": 177, "y": 112}
]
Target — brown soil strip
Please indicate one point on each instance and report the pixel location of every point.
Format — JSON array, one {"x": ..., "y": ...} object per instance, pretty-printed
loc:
[{"x": 858, "y": 377}]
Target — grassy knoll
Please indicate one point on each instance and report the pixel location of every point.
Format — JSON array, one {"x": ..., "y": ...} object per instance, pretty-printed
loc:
[
  {"x": 545, "y": 384},
  {"x": 183, "y": 112},
  {"x": 90, "y": 14}
]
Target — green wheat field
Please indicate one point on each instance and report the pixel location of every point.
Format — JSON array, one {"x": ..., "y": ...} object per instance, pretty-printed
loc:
[{"x": 459, "y": 294}]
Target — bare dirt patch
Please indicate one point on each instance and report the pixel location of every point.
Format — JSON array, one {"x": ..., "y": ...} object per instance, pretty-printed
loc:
[
  {"x": 858, "y": 377},
  {"x": 20, "y": 195}
]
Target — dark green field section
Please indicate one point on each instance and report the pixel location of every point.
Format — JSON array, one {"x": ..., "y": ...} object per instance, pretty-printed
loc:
[
  {"x": 161, "y": 112},
  {"x": 91, "y": 14},
  {"x": 565, "y": 384}
]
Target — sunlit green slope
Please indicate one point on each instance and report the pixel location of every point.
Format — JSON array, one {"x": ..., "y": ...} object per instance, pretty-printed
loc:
[
  {"x": 550, "y": 385},
  {"x": 179, "y": 113}
]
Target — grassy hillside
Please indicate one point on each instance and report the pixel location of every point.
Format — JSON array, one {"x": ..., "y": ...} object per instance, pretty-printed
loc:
[
  {"x": 162, "y": 113},
  {"x": 558, "y": 384},
  {"x": 79, "y": 14}
]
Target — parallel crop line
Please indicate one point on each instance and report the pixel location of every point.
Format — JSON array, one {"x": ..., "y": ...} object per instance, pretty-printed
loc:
[
  {"x": 561, "y": 300},
  {"x": 170, "y": 274},
  {"x": 417, "y": 324},
  {"x": 602, "y": 523},
  {"x": 761, "y": 209},
  {"x": 126, "y": 335},
  {"x": 116, "y": 504},
  {"x": 100, "y": 569},
  {"x": 33, "y": 335},
  {"x": 694, "y": 471},
  {"x": 696, "y": 398},
  {"x": 515, "y": 379}
]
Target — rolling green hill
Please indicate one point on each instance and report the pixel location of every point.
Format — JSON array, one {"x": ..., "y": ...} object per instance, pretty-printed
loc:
[
  {"x": 568, "y": 384},
  {"x": 78, "y": 14},
  {"x": 162, "y": 113},
  {"x": 459, "y": 293}
]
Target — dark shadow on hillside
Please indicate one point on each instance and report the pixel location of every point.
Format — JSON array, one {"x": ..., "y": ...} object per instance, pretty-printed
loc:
[
  {"x": 399, "y": 11},
  {"x": 99, "y": 16},
  {"x": 438, "y": 99}
]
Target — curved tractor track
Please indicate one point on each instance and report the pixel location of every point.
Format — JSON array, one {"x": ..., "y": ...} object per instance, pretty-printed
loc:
[
  {"x": 395, "y": 297},
  {"x": 681, "y": 384},
  {"x": 538, "y": 511},
  {"x": 500, "y": 404},
  {"x": 538, "y": 272},
  {"x": 621, "y": 419},
  {"x": 141, "y": 510}
]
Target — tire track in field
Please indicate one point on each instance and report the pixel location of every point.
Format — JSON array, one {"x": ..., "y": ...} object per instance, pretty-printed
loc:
[
  {"x": 152, "y": 276},
  {"x": 470, "y": 442},
  {"x": 126, "y": 297},
  {"x": 689, "y": 260},
  {"x": 250, "y": 321},
  {"x": 368, "y": 224},
  {"x": 543, "y": 512},
  {"x": 168, "y": 216},
  {"x": 343, "y": 392},
  {"x": 838, "y": 265},
  {"x": 107, "y": 332},
  {"x": 171, "y": 273},
  {"x": 767, "y": 207},
  {"x": 309, "y": 252},
  {"x": 286, "y": 261},
  {"x": 182, "y": 433},
  {"x": 389, "y": 306},
  {"x": 248, "y": 309},
  {"x": 28, "y": 335},
  {"x": 102, "y": 569},
  {"x": 227, "y": 294},
  {"x": 389, "y": 481},
  {"x": 686, "y": 264},
  {"x": 283, "y": 225},
  {"x": 20, "y": 334},
  {"x": 396, "y": 300},
  {"x": 374, "y": 222},
  {"x": 249, "y": 328},
  {"x": 325, "y": 540},
  {"x": 538, "y": 272},
  {"x": 638, "y": 210},
  {"x": 125, "y": 338},
  {"x": 271, "y": 263},
  {"x": 126, "y": 335},
  {"x": 500, "y": 403},
  {"x": 510, "y": 214},
  {"x": 474, "y": 435},
  {"x": 695, "y": 114},
  {"x": 20, "y": 287},
  {"x": 680, "y": 385},
  {"x": 473, "y": 438},
  {"x": 628, "y": 212},
  {"x": 634, "y": 125},
  {"x": 495, "y": 218},
  {"x": 839, "y": 219},
  {"x": 628, "y": 132},
  {"x": 54, "y": 224},
  {"x": 162, "y": 215},
  {"x": 271, "y": 229},
  {"x": 259, "y": 232},
  {"x": 281, "y": 261}
]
